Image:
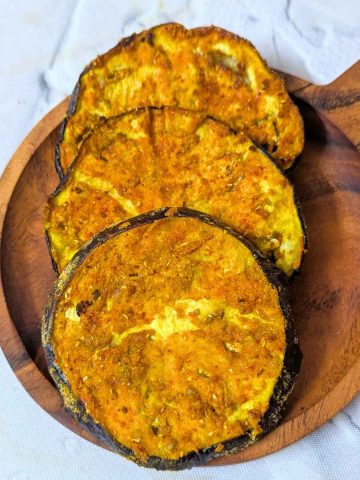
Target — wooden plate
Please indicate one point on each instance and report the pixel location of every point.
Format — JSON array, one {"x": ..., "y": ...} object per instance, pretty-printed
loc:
[{"x": 325, "y": 298}]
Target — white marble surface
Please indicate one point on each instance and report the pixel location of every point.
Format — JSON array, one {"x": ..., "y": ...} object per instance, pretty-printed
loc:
[{"x": 43, "y": 47}]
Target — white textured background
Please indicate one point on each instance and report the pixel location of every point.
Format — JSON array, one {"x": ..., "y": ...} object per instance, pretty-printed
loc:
[{"x": 44, "y": 45}]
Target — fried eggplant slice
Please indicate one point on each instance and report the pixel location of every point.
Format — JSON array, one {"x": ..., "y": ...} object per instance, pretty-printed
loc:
[
  {"x": 206, "y": 69},
  {"x": 152, "y": 158},
  {"x": 170, "y": 338}
]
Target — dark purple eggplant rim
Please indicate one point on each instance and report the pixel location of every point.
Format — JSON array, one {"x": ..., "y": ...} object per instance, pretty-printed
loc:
[
  {"x": 283, "y": 387},
  {"x": 104, "y": 121},
  {"x": 123, "y": 43}
]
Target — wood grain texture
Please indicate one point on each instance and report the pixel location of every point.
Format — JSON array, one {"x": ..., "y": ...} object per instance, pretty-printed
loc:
[
  {"x": 325, "y": 298},
  {"x": 339, "y": 101}
]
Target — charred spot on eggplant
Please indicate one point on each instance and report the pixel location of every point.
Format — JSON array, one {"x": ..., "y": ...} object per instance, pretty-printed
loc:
[
  {"x": 206, "y": 69},
  {"x": 148, "y": 372},
  {"x": 174, "y": 157}
]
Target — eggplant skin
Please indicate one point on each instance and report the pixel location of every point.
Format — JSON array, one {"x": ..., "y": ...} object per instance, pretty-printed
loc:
[
  {"x": 281, "y": 392},
  {"x": 223, "y": 65}
]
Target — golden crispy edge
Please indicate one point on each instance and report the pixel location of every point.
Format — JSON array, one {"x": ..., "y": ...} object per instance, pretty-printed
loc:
[
  {"x": 104, "y": 122},
  {"x": 101, "y": 60}
]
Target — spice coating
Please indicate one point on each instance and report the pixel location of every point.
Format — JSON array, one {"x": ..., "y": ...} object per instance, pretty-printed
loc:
[
  {"x": 205, "y": 68},
  {"x": 172, "y": 336},
  {"x": 151, "y": 158}
]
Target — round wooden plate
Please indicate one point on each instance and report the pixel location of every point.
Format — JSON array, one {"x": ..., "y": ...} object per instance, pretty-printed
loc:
[{"x": 325, "y": 298}]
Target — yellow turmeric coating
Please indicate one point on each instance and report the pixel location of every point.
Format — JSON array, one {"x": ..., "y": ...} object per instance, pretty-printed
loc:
[
  {"x": 172, "y": 337},
  {"x": 152, "y": 158},
  {"x": 206, "y": 69}
]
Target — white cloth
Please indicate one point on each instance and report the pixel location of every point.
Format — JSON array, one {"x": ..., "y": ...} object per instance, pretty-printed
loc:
[{"x": 43, "y": 47}]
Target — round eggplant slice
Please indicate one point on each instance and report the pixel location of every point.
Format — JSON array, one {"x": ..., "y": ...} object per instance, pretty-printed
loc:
[
  {"x": 170, "y": 338},
  {"x": 152, "y": 158},
  {"x": 206, "y": 69}
]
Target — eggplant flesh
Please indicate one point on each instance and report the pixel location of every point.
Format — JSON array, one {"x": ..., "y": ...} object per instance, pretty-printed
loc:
[
  {"x": 150, "y": 158},
  {"x": 170, "y": 338},
  {"x": 206, "y": 69}
]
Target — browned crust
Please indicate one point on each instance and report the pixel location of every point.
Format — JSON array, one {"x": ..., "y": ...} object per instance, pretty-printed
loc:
[
  {"x": 283, "y": 387},
  {"x": 125, "y": 42},
  {"x": 65, "y": 176}
]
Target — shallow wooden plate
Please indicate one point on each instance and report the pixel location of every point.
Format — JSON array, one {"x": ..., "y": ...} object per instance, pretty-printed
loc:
[{"x": 325, "y": 298}]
